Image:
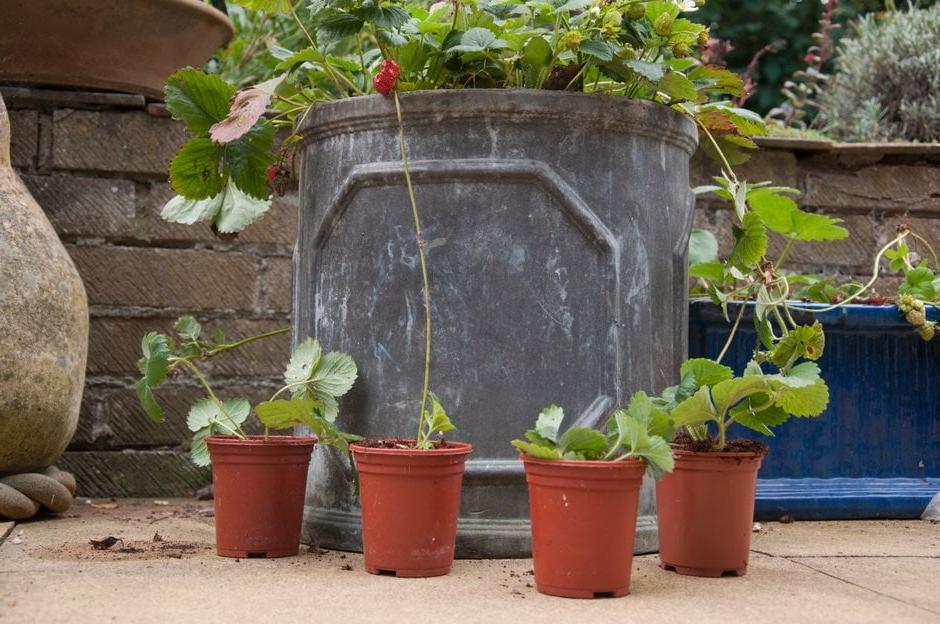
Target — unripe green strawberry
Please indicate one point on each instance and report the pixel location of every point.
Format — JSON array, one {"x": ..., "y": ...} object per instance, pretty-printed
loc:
[
  {"x": 612, "y": 19},
  {"x": 663, "y": 25},
  {"x": 906, "y": 303},
  {"x": 681, "y": 49},
  {"x": 636, "y": 11},
  {"x": 572, "y": 39},
  {"x": 915, "y": 317},
  {"x": 926, "y": 331},
  {"x": 703, "y": 37}
]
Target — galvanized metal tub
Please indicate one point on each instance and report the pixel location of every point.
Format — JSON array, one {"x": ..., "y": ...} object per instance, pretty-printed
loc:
[{"x": 557, "y": 228}]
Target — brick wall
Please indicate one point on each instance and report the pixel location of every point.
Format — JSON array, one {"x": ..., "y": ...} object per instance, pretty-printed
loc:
[
  {"x": 872, "y": 187},
  {"x": 97, "y": 164}
]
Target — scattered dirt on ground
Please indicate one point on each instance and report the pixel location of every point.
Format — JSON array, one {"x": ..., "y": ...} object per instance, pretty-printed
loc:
[
  {"x": 684, "y": 442},
  {"x": 400, "y": 443},
  {"x": 123, "y": 550}
]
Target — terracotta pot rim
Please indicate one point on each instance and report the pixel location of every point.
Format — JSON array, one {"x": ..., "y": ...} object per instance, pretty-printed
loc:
[
  {"x": 456, "y": 448},
  {"x": 260, "y": 440},
  {"x": 582, "y": 464}
]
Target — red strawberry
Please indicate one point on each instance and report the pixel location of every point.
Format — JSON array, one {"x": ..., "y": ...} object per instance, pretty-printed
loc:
[
  {"x": 278, "y": 179},
  {"x": 384, "y": 81},
  {"x": 272, "y": 172}
]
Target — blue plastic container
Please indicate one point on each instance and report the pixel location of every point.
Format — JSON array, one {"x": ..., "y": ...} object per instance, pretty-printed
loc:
[{"x": 875, "y": 452}]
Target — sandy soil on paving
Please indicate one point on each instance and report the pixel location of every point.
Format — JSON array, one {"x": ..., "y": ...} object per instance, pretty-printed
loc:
[{"x": 846, "y": 572}]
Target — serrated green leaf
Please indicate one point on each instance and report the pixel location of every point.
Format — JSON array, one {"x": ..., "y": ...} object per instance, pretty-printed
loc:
[
  {"x": 597, "y": 48},
  {"x": 329, "y": 405},
  {"x": 284, "y": 414},
  {"x": 805, "y": 341},
  {"x": 703, "y": 247},
  {"x": 239, "y": 210},
  {"x": 199, "y": 449},
  {"x": 537, "y": 52},
  {"x": 898, "y": 257},
  {"x": 803, "y": 374},
  {"x": 764, "y": 331},
  {"x": 201, "y": 414},
  {"x": 247, "y": 158},
  {"x": 228, "y": 414},
  {"x": 919, "y": 282},
  {"x": 658, "y": 456},
  {"x": 306, "y": 55},
  {"x": 197, "y": 99},
  {"x": 479, "y": 39},
  {"x": 651, "y": 71},
  {"x": 750, "y": 242},
  {"x": 188, "y": 328},
  {"x": 387, "y": 16},
  {"x": 573, "y": 5},
  {"x": 334, "y": 375},
  {"x": 155, "y": 361},
  {"x": 808, "y": 400},
  {"x": 696, "y": 409},
  {"x": 194, "y": 171},
  {"x": 302, "y": 361},
  {"x": 753, "y": 368},
  {"x": 339, "y": 25},
  {"x": 816, "y": 227},
  {"x": 188, "y": 211},
  {"x": 677, "y": 87},
  {"x": 584, "y": 442},
  {"x": 148, "y": 401},
  {"x": 717, "y": 80},
  {"x": 755, "y": 414},
  {"x": 705, "y": 372},
  {"x": 436, "y": 417},
  {"x": 710, "y": 271},
  {"x": 536, "y": 450},
  {"x": 549, "y": 421},
  {"x": 268, "y": 6},
  {"x": 729, "y": 393}
]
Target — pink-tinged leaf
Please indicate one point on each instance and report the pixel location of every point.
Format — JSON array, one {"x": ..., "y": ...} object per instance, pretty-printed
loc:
[{"x": 248, "y": 106}]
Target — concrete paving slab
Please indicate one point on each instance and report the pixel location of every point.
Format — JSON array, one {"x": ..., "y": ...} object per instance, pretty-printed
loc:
[
  {"x": 912, "y": 580},
  {"x": 5, "y": 529},
  {"x": 849, "y": 538},
  {"x": 53, "y": 575}
]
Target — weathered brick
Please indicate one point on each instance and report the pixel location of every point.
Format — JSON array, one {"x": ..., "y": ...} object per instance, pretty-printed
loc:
[
  {"x": 857, "y": 250},
  {"x": 277, "y": 228},
  {"x": 778, "y": 166},
  {"x": 24, "y": 138},
  {"x": 276, "y": 284},
  {"x": 117, "y": 142},
  {"x": 129, "y": 276},
  {"x": 114, "y": 418},
  {"x": 114, "y": 346},
  {"x": 924, "y": 227},
  {"x": 135, "y": 474},
  {"x": 879, "y": 187},
  {"x": 79, "y": 206}
]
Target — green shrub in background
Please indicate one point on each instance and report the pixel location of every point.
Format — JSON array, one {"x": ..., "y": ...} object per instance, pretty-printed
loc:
[
  {"x": 752, "y": 25},
  {"x": 886, "y": 85}
]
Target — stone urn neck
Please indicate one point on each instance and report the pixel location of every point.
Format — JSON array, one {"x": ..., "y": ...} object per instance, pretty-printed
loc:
[{"x": 4, "y": 136}]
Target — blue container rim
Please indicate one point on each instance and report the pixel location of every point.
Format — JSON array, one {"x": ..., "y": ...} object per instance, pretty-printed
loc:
[{"x": 848, "y": 315}]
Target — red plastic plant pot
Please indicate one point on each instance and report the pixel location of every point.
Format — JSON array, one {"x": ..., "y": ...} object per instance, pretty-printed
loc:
[
  {"x": 410, "y": 500},
  {"x": 583, "y": 524},
  {"x": 259, "y": 486},
  {"x": 705, "y": 511}
]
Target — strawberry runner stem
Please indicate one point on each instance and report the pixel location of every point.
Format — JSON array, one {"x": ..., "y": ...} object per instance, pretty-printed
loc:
[{"x": 421, "y": 439}]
